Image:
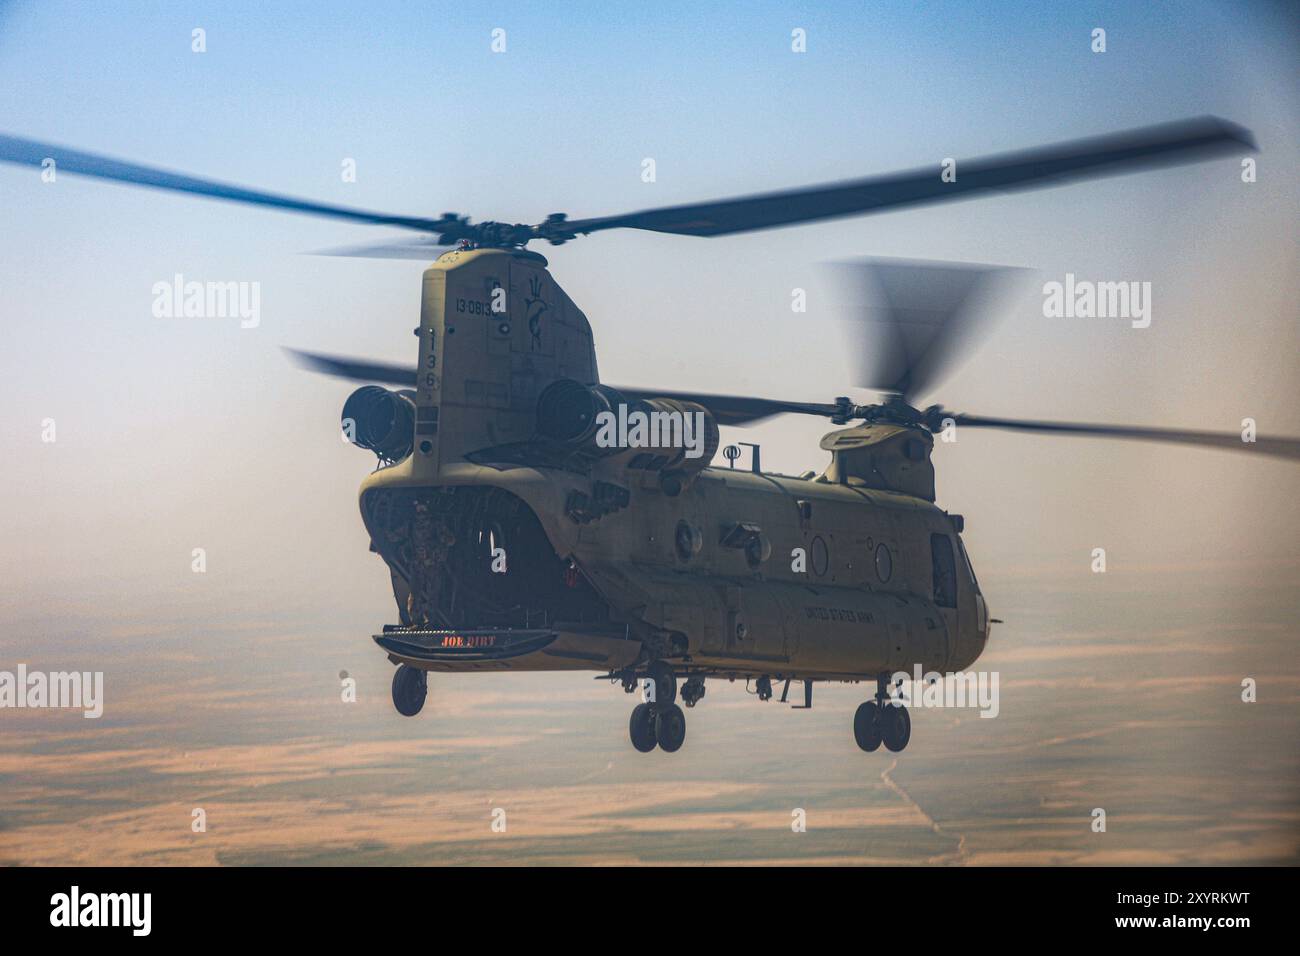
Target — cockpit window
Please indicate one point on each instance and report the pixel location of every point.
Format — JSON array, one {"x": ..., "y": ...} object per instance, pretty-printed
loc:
[
  {"x": 945, "y": 570},
  {"x": 965, "y": 559}
]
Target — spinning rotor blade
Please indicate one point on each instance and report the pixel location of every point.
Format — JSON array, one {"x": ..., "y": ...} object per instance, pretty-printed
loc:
[
  {"x": 733, "y": 409},
  {"x": 424, "y": 250},
  {"x": 744, "y": 410},
  {"x": 1148, "y": 147},
  {"x": 917, "y": 316},
  {"x": 357, "y": 371},
  {"x": 914, "y": 319},
  {"x": 727, "y": 409},
  {"x": 29, "y": 152},
  {"x": 1278, "y": 447}
]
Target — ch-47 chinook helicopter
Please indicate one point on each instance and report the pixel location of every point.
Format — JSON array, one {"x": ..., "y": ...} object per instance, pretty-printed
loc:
[{"x": 520, "y": 536}]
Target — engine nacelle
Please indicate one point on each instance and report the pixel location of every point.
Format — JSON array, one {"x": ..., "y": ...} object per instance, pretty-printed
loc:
[
  {"x": 568, "y": 413},
  {"x": 670, "y": 436},
  {"x": 380, "y": 421}
]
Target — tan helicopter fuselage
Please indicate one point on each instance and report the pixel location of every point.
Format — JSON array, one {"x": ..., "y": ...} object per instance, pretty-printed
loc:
[{"x": 628, "y": 557}]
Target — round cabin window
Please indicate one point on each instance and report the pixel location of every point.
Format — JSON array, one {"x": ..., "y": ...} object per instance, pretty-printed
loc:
[
  {"x": 689, "y": 540},
  {"x": 821, "y": 558},
  {"x": 884, "y": 562}
]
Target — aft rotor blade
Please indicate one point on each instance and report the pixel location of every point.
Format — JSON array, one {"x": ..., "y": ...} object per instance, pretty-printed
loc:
[
  {"x": 733, "y": 409},
  {"x": 356, "y": 370},
  {"x": 1229, "y": 441},
  {"x": 910, "y": 321},
  {"x": 30, "y": 152},
  {"x": 423, "y": 250},
  {"x": 1129, "y": 151}
]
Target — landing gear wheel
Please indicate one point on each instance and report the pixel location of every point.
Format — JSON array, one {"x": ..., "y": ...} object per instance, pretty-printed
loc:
[
  {"x": 641, "y": 728},
  {"x": 670, "y": 727},
  {"x": 866, "y": 727},
  {"x": 896, "y": 727},
  {"x": 410, "y": 686},
  {"x": 665, "y": 682}
]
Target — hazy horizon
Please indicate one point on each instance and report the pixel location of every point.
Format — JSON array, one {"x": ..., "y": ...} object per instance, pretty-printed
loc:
[{"x": 1120, "y": 690}]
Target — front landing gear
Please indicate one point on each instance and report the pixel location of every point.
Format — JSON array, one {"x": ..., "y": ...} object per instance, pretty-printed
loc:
[
  {"x": 410, "y": 687},
  {"x": 896, "y": 727},
  {"x": 866, "y": 727},
  {"x": 882, "y": 720}
]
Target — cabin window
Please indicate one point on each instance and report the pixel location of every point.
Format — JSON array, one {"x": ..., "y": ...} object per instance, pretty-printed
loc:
[
  {"x": 689, "y": 540},
  {"x": 884, "y": 563},
  {"x": 945, "y": 570},
  {"x": 820, "y": 556}
]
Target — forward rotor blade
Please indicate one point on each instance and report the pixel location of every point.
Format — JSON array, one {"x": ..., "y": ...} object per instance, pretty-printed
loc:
[
  {"x": 1145, "y": 148},
  {"x": 1277, "y": 447},
  {"x": 733, "y": 409},
  {"x": 1148, "y": 147},
  {"x": 915, "y": 319},
  {"x": 29, "y": 152},
  {"x": 355, "y": 370}
]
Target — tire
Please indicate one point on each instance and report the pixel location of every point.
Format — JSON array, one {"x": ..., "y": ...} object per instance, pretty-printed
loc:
[
  {"x": 897, "y": 728},
  {"x": 641, "y": 728},
  {"x": 866, "y": 727},
  {"x": 670, "y": 728},
  {"x": 410, "y": 687}
]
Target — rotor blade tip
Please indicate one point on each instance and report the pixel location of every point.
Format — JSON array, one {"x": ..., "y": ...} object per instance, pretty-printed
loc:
[{"x": 1235, "y": 132}]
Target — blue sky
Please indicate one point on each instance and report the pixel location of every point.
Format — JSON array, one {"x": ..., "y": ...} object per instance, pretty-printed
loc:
[{"x": 195, "y": 422}]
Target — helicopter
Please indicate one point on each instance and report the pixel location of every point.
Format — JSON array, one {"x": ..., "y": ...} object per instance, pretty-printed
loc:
[{"x": 533, "y": 518}]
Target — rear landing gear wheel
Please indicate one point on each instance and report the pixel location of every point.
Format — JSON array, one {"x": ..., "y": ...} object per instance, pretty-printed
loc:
[
  {"x": 641, "y": 728},
  {"x": 410, "y": 686},
  {"x": 670, "y": 727},
  {"x": 866, "y": 727},
  {"x": 896, "y": 727}
]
